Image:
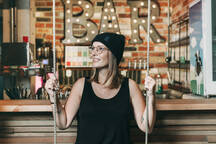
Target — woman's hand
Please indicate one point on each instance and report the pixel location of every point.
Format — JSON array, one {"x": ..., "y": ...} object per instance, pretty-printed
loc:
[
  {"x": 149, "y": 83},
  {"x": 51, "y": 86}
]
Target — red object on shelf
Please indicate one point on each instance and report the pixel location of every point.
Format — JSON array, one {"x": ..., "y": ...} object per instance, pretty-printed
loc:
[
  {"x": 25, "y": 39},
  {"x": 68, "y": 63}
]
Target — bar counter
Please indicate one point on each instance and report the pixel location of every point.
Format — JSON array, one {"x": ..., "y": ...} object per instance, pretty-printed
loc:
[
  {"x": 161, "y": 105},
  {"x": 179, "y": 121}
]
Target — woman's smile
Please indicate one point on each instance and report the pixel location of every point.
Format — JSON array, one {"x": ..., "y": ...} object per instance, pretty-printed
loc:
[{"x": 96, "y": 59}]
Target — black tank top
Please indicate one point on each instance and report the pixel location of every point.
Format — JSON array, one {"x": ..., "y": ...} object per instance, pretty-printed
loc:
[{"x": 104, "y": 121}]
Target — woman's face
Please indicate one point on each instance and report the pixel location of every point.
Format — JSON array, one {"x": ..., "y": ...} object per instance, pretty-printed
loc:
[{"x": 99, "y": 54}]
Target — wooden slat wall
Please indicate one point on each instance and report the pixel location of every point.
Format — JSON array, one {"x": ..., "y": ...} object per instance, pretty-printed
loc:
[
  {"x": 185, "y": 127},
  {"x": 32, "y": 128},
  {"x": 172, "y": 127}
]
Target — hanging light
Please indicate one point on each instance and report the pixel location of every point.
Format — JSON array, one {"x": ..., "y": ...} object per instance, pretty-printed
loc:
[
  {"x": 153, "y": 17},
  {"x": 92, "y": 32},
  {"x": 135, "y": 31},
  {"x": 134, "y": 9},
  {"x": 154, "y": 6},
  {"x": 79, "y": 2},
  {"x": 105, "y": 17},
  {"x": 135, "y": 21},
  {"x": 110, "y": 25},
  {"x": 68, "y": 11},
  {"x": 112, "y": 10},
  {"x": 135, "y": 40},
  {"x": 103, "y": 25},
  {"x": 113, "y": 17},
  {"x": 87, "y": 6},
  {"x": 68, "y": 30},
  {"x": 158, "y": 40},
  {"x": 106, "y": 10},
  {"x": 87, "y": 39},
  {"x": 87, "y": 14},
  {"x": 68, "y": 20},
  {"x": 142, "y": 3},
  {"x": 151, "y": 31},
  {"x": 108, "y": 3},
  {"x": 68, "y": 1},
  {"x": 77, "y": 20},
  {"x": 115, "y": 26},
  {"x": 88, "y": 24},
  {"x": 143, "y": 21}
]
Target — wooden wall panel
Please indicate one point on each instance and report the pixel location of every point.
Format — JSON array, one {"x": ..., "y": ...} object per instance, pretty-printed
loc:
[
  {"x": 172, "y": 127},
  {"x": 6, "y": 25}
]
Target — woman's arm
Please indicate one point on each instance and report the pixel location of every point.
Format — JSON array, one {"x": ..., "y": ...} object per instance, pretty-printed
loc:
[
  {"x": 65, "y": 115},
  {"x": 139, "y": 106}
]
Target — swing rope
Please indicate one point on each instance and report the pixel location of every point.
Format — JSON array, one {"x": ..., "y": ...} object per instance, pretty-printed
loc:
[
  {"x": 54, "y": 72},
  {"x": 148, "y": 40}
]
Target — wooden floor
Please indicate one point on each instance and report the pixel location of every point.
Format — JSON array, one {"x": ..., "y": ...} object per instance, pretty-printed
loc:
[{"x": 172, "y": 127}]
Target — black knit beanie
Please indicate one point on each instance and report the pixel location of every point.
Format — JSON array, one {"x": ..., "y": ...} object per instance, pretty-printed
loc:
[{"x": 114, "y": 42}]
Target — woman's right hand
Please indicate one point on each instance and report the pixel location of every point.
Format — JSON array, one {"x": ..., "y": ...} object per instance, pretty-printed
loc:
[{"x": 51, "y": 86}]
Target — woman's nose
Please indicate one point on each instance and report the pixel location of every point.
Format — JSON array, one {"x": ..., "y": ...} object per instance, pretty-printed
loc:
[{"x": 94, "y": 52}]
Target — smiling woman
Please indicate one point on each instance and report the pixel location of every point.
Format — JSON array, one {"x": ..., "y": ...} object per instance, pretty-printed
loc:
[
  {"x": 99, "y": 54},
  {"x": 114, "y": 45}
]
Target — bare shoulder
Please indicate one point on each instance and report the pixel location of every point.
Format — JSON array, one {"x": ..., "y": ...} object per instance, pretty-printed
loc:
[
  {"x": 135, "y": 92},
  {"x": 132, "y": 84},
  {"x": 78, "y": 86},
  {"x": 134, "y": 89},
  {"x": 80, "y": 82},
  {"x": 74, "y": 99}
]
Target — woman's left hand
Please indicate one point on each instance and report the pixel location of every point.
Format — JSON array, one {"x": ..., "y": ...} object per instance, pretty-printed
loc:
[{"x": 149, "y": 83}]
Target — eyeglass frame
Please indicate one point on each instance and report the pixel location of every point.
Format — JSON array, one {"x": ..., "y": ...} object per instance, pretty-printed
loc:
[{"x": 99, "y": 49}]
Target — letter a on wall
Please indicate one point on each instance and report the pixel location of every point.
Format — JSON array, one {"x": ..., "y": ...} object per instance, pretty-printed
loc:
[
  {"x": 83, "y": 18},
  {"x": 109, "y": 22}
]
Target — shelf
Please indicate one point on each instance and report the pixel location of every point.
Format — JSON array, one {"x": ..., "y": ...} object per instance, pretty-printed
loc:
[
  {"x": 25, "y": 106},
  {"x": 161, "y": 105},
  {"x": 179, "y": 28},
  {"x": 185, "y": 104},
  {"x": 180, "y": 22},
  {"x": 8, "y": 71},
  {"x": 179, "y": 65},
  {"x": 185, "y": 21},
  {"x": 182, "y": 42},
  {"x": 179, "y": 88}
]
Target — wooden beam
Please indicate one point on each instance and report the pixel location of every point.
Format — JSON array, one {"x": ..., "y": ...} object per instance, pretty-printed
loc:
[
  {"x": 34, "y": 139},
  {"x": 161, "y": 105}
]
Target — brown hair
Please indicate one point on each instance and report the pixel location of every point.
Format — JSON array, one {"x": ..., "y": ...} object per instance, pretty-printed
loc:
[{"x": 113, "y": 78}]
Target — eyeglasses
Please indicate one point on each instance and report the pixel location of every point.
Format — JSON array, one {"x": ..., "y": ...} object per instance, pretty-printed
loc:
[{"x": 98, "y": 49}]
